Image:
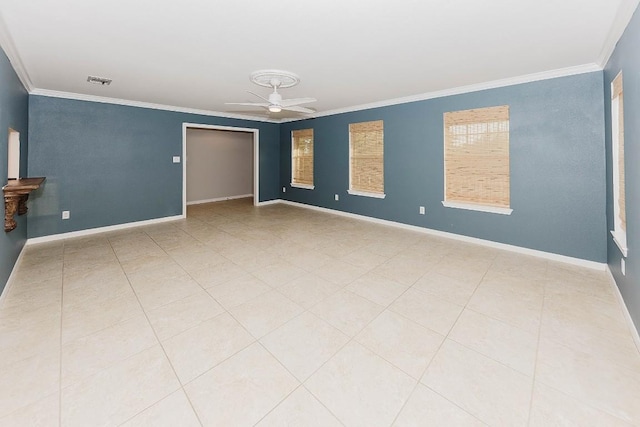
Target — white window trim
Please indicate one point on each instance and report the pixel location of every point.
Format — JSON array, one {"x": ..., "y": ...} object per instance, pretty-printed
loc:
[
  {"x": 365, "y": 194},
  {"x": 620, "y": 240},
  {"x": 474, "y": 207},
  {"x": 305, "y": 186},
  {"x": 619, "y": 235}
]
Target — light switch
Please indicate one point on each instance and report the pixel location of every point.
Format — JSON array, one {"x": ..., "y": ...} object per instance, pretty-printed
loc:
[{"x": 176, "y": 159}]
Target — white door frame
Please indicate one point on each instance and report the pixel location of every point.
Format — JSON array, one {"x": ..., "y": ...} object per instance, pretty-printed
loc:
[{"x": 256, "y": 158}]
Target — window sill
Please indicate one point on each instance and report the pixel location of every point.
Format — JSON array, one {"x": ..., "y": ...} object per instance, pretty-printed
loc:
[
  {"x": 621, "y": 242},
  {"x": 305, "y": 186},
  {"x": 365, "y": 194},
  {"x": 479, "y": 208}
]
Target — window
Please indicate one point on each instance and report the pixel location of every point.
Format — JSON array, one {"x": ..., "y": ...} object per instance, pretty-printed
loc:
[
  {"x": 617, "y": 141},
  {"x": 476, "y": 160},
  {"x": 366, "y": 159},
  {"x": 302, "y": 158},
  {"x": 13, "y": 154}
]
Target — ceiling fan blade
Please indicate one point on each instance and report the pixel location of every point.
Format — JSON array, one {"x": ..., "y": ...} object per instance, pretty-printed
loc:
[
  {"x": 249, "y": 104},
  {"x": 299, "y": 109},
  {"x": 259, "y": 96},
  {"x": 296, "y": 101}
]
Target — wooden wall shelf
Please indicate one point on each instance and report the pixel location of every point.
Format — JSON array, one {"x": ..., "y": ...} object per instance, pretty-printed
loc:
[{"x": 16, "y": 193}]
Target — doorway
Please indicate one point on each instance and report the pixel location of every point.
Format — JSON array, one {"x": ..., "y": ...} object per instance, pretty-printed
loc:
[{"x": 228, "y": 134}]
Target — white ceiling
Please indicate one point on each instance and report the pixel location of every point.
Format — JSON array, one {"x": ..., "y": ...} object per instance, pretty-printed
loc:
[{"x": 198, "y": 54}]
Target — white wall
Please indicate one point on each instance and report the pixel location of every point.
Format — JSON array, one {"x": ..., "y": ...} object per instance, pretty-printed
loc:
[{"x": 219, "y": 164}]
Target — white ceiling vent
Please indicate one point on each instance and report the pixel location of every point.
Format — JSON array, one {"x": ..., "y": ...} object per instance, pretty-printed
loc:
[{"x": 99, "y": 81}]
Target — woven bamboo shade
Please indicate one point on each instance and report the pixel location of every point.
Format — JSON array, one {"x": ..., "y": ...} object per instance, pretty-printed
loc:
[
  {"x": 302, "y": 157},
  {"x": 367, "y": 156},
  {"x": 476, "y": 154},
  {"x": 616, "y": 92}
]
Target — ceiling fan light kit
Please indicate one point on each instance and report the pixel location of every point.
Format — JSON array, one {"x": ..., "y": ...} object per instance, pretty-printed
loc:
[{"x": 277, "y": 79}]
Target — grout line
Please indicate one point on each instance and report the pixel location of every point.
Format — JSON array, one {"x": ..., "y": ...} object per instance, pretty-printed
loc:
[
  {"x": 61, "y": 324},
  {"x": 424, "y": 371},
  {"x": 158, "y": 341},
  {"x": 535, "y": 364}
]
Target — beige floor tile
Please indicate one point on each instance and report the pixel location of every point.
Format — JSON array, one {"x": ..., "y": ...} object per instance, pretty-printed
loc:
[
  {"x": 130, "y": 385},
  {"x": 377, "y": 288},
  {"x": 178, "y": 316},
  {"x": 242, "y": 390},
  {"x": 597, "y": 382},
  {"x": 238, "y": 291},
  {"x": 308, "y": 290},
  {"x": 279, "y": 273},
  {"x": 217, "y": 274},
  {"x": 492, "y": 392},
  {"x": 588, "y": 324},
  {"x": 427, "y": 408},
  {"x": 402, "y": 269},
  {"x": 196, "y": 256},
  {"x": 455, "y": 291},
  {"x": 85, "y": 356},
  {"x": 404, "y": 343},
  {"x": 43, "y": 413},
  {"x": 83, "y": 320},
  {"x": 361, "y": 388},
  {"x": 173, "y": 410},
  {"x": 348, "y": 312},
  {"x": 513, "y": 301},
  {"x": 156, "y": 293},
  {"x": 340, "y": 273},
  {"x": 202, "y": 347},
  {"x": 265, "y": 313},
  {"x": 309, "y": 260},
  {"x": 461, "y": 269},
  {"x": 20, "y": 341},
  {"x": 101, "y": 277},
  {"x": 28, "y": 381},
  {"x": 303, "y": 344},
  {"x": 157, "y": 268},
  {"x": 300, "y": 408},
  {"x": 552, "y": 408},
  {"x": 364, "y": 258},
  {"x": 507, "y": 344},
  {"x": 427, "y": 310},
  {"x": 31, "y": 295}
]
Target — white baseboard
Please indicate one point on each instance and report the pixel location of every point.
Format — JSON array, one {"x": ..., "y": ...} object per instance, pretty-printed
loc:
[
  {"x": 625, "y": 310},
  {"x": 526, "y": 251},
  {"x": 270, "y": 202},
  {"x": 12, "y": 276},
  {"x": 219, "y": 199},
  {"x": 98, "y": 230}
]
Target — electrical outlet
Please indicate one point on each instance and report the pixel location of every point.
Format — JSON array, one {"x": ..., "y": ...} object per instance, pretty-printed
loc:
[
  {"x": 336, "y": 197},
  {"x": 623, "y": 266},
  {"x": 284, "y": 189},
  {"x": 66, "y": 214},
  {"x": 421, "y": 210}
]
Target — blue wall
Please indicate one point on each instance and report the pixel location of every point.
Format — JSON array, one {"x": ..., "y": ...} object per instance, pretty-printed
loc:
[
  {"x": 557, "y": 166},
  {"x": 111, "y": 164},
  {"x": 626, "y": 57},
  {"x": 14, "y": 107}
]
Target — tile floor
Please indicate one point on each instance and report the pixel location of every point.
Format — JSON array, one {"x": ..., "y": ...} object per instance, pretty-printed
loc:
[{"x": 282, "y": 316}]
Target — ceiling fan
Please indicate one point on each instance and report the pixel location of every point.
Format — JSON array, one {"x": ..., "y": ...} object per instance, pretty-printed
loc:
[{"x": 277, "y": 79}]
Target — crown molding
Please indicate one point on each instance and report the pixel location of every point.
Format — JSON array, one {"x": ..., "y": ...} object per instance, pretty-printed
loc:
[
  {"x": 7, "y": 44},
  {"x": 623, "y": 16},
  {"x": 528, "y": 78},
  {"x": 140, "y": 104},
  {"x": 545, "y": 75}
]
